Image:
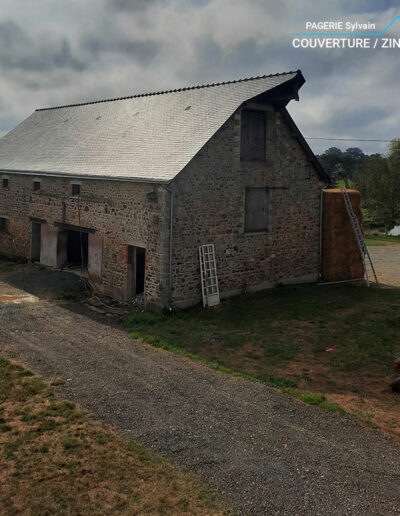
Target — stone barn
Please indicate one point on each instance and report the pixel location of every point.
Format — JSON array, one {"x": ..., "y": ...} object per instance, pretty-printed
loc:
[{"x": 127, "y": 189}]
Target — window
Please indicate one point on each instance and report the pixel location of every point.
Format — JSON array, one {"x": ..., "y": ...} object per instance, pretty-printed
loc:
[
  {"x": 252, "y": 135},
  {"x": 5, "y": 182},
  {"x": 75, "y": 189},
  {"x": 256, "y": 210},
  {"x": 36, "y": 186},
  {"x": 4, "y": 224}
]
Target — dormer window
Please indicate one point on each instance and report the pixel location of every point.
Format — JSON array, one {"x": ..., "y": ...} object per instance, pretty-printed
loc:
[{"x": 252, "y": 135}]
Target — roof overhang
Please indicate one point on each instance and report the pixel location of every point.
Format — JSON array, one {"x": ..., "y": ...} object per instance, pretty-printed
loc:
[
  {"x": 281, "y": 95},
  {"x": 92, "y": 177}
]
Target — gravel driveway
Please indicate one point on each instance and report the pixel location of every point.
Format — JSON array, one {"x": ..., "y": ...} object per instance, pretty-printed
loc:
[
  {"x": 264, "y": 452},
  {"x": 386, "y": 260}
]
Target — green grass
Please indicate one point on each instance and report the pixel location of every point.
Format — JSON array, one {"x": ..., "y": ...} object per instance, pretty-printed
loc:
[
  {"x": 374, "y": 243},
  {"x": 316, "y": 399},
  {"x": 256, "y": 335},
  {"x": 377, "y": 237},
  {"x": 272, "y": 327},
  {"x": 341, "y": 184}
]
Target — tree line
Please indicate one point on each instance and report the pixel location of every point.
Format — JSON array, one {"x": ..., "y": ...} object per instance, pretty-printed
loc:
[{"x": 376, "y": 176}]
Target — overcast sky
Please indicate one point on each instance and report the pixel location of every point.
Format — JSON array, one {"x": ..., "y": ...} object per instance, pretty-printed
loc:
[{"x": 56, "y": 52}]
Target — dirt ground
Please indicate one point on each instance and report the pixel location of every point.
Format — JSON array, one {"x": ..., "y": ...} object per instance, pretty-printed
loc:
[{"x": 264, "y": 452}]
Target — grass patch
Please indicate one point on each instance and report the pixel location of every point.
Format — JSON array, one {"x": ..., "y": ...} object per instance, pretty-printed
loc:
[
  {"x": 340, "y": 183},
  {"x": 316, "y": 399},
  {"x": 250, "y": 333},
  {"x": 272, "y": 381},
  {"x": 55, "y": 460},
  {"x": 374, "y": 243},
  {"x": 378, "y": 237},
  {"x": 328, "y": 339}
]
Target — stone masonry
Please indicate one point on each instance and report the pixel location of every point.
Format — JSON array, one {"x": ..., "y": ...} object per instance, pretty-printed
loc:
[
  {"x": 208, "y": 199},
  {"x": 121, "y": 213}
]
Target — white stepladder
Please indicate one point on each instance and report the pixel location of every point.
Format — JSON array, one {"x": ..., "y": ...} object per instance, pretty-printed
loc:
[
  {"x": 366, "y": 258},
  {"x": 208, "y": 273}
]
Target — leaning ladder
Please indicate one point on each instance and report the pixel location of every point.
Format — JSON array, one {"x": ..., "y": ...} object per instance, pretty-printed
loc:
[
  {"x": 208, "y": 272},
  {"x": 366, "y": 258}
]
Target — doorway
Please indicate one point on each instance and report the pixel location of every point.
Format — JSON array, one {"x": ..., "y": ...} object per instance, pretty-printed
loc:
[
  {"x": 36, "y": 241},
  {"x": 136, "y": 271},
  {"x": 77, "y": 248}
]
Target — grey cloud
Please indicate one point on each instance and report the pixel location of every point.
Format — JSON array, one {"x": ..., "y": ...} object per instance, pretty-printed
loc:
[
  {"x": 20, "y": 51},
  {"x": 6, "y": 124},
  {"x": 143, "y": 51},
  {"x": 130, "y": 5},
  {"x": 355, "y": 116},
  {"x": 212, "y": 64},
  {"x": 370, "y": 5},
  {"x": 114, "y": 42}
]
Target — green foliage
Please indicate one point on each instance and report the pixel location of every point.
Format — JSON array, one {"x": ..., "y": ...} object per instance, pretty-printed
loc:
[
  {"x": 341, "y": 165},
  {"x": 378, "y": 179},
  {"x": 383, "y": 238}
]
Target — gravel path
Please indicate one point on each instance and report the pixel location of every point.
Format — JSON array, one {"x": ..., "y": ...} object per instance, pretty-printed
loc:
[
  {"x": 263, "y": 452},
  {"x": 386, "y": 260}
]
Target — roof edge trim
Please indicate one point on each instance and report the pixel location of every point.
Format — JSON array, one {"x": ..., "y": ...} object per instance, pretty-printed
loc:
[
  {"x": 163, "y": 92},
  {"x": 66, "y": 175}
]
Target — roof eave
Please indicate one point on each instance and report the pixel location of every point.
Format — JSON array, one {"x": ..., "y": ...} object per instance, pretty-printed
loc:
[
  {"x": 282, "y": 94},
  {"x": 65, "y": 175}
]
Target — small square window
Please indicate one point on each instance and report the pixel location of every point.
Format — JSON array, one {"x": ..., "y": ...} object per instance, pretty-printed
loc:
[
  {"x": 5, "y": 182},
  {"x": 36, "y": 186},
  {"x": 76, "y": 189},
  {"x": 4, "y": 224}
]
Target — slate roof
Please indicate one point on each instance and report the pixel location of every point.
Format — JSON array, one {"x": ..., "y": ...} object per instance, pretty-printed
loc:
[{"x": 148, "y": 137}]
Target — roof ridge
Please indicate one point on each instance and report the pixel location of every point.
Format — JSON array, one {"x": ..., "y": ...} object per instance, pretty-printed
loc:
[{"x": 163, "y": 92}]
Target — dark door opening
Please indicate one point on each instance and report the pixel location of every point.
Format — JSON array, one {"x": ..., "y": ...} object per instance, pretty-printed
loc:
[
  {"x": 77, "y": 249},
  {"x": 36, "y": 241},
  {"x": 140, "y": 269},
  {"x": 136, "y": 271}
]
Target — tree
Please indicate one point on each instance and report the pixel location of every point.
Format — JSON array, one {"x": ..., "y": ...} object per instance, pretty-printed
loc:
[
  {"x": 331, "y": 159},
  {"x": 350, "y": 159},
  {"x": 355, "y": 153},
  {"x": 341, "y": 165},
  {"x": 378, "y": 179}
]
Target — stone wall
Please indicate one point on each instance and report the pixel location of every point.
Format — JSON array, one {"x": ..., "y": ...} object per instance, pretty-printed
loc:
[
  {"x": 209, "y": 200},
  {"x": 208, "y": 207},
  {"x": 121, "y": 213}
]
